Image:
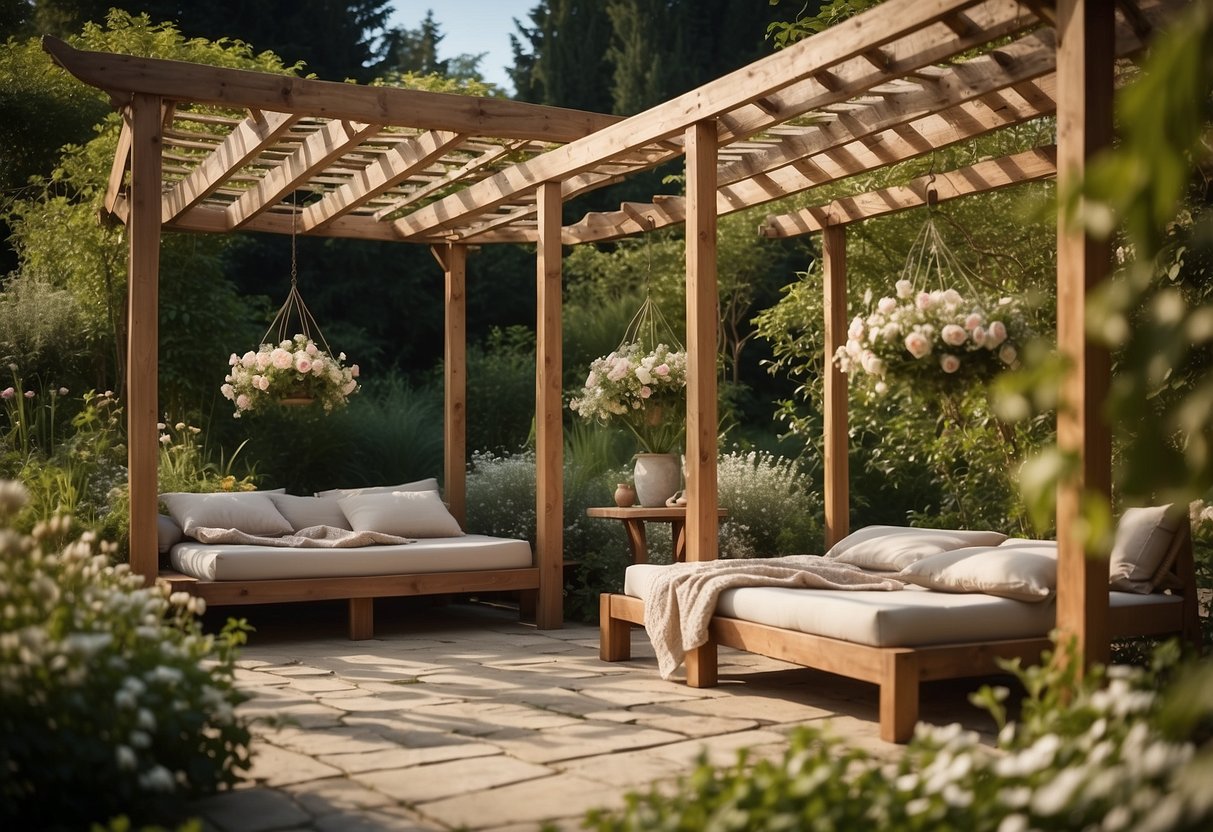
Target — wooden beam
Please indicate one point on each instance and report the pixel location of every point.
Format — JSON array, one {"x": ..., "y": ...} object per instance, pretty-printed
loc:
[
  {"x": 246, "y": 141},
  {"x": 205, "y": 219},
  {"x": 1084, "y": 127},
  {"x": 242, "y": 89},
  {"x": 404, "y": 159},
  {"x": 315, "y": 153},
  {"x": 894, "y": 19},
  {"x": 454, "y": 372},
  {"x": 121, "y": 164},
  {"x": 471, "y": 166},
  {"x": 835, "y": 430},
  {"x": 549, "y": 407},
  {"x": 142, "y": 409},
  {"x": 1030, "y": 166}
]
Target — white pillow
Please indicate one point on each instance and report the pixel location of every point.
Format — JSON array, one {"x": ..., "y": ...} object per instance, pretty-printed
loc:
[
  {"x": 168, "y": 533},
  {"x": 428, "y": 484},
  {"x": 251, "y": 512},
  {"x": 403, "y": 513},
  {"x": 1143, "y": 538},
  {"x": 1022, "y": 572},
  {"x": 302, "y": 512},
  {"x": 893, "y": 548}
]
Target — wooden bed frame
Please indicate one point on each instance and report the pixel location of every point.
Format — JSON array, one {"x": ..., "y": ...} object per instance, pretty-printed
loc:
[
  {"x": 361, "y": 592},
  {"x": 899, "y": 670}
]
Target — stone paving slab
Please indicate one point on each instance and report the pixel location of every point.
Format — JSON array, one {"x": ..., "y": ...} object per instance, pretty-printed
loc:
[{"x": 460, "y": 717}]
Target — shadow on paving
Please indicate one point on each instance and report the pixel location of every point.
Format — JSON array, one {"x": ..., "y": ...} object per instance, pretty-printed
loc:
[{"x": 456, "y": 715}]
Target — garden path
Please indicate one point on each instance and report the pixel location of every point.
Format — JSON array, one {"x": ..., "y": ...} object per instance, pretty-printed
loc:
[{"x": 458, "y": 716}]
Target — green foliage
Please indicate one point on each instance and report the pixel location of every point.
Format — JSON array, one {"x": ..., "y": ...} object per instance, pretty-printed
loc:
[
  {"x": 787, "y": 32},
  {"x": 1109, "y": 752},
  {"x": 110, "y": 695},
  {"x": 501, "y": 390},
  {"x": 773, "y": 509},
  {"x": 43, "y": 324}
]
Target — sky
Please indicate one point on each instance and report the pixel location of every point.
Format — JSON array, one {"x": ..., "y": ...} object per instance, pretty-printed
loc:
[{"x": 472, "y": 27}]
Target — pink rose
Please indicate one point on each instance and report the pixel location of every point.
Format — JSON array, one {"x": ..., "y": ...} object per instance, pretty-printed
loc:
[
  {"x": 973, "y": 321},
  {"x": 311, "y": 349},
  {"x": 645, "y": 392},
  {"x": 354, "y": 371},
  {"x": 249, "y": 360},
  {"x": 904, "y": 288},
  {"x": 29, "y": 394},
  {"x": 979, "y": 335},
  {"x": 886, "y": 305},
  {"x": 242, "y": 402},
  {"x": 953, "y": 297},
  {"x": 303, "y": 364},
  {"x": 923, "y": 301},
  {"x": 7, "y": 393},
  {"x": 234, "y": 360},
  {"x": 917, "y": 344},
  {"x": 996, "y": 335},
  {"x": 954, "y": 335},
  {"x": 662, "y": 369},
  {"x": 856, "y": 328},
  {"x": 949, "y": 362},
  {"x": 1008, "y": 354},
  {"x": 228, "y": 391},
  {"x": 281, "y": 359}
]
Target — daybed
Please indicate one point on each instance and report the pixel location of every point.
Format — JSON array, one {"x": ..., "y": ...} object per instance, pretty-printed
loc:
[
  {"x": 898, "y": 639},
  {"x": 419, "y": 549}
]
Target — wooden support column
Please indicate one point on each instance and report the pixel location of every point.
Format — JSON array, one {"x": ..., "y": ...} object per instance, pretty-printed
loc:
[
  {"x": 835, "y": 429},
  {"x": 142, "y": 366},
  {"x": 1084, "y": 126},
  {"x": 549, "y": 432},
  {"x": 453, "y": 259},
  {"x": 701, "y": 319}
]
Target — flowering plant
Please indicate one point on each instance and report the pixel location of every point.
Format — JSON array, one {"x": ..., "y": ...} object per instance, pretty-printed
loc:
[
  {"x": 642, "y": 390},
  {"x": 294, "y": 368},
  {"x": 931, "y": 336}
]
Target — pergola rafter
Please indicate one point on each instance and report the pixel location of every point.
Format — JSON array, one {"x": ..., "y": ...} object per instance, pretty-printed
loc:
[{"x": 216, "y": 150}]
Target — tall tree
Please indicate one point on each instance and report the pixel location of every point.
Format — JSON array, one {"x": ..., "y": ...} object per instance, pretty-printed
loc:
[
  {"x": 416, "y": 51},
  {"x": 569, "y": 42}
]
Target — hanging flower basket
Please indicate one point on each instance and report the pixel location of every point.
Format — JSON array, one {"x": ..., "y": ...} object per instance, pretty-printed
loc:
[
  {"x": 936, "y": 329},
  {"x": 290, "y": 372}
]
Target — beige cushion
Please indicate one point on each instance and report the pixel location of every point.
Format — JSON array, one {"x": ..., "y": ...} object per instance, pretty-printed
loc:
[
  {"x": 1021, "y": 571},
  {"x": 1143, "y": 537},
  {"x": 302, "y": 512},
  {"x": 250, "y": 512},
  {"x": 893, "y": 548},
  {"x": 404, "y": 513},
  {"x": 428, "y": 484},
  {"x": 168, "y": 533}
]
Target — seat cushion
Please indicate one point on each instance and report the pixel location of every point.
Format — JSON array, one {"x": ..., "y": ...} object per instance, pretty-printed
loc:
[{"x": 893, "y": 548}]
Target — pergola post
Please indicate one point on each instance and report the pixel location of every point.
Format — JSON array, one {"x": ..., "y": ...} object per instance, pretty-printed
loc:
[
  {"x": 1085, "y": 33},
  {"x": 142, "y": 360},
  {"x": 453, "y": 259},
  {"x": 701, "y": 320},
  {"x": 835, "y": 429},
  {"x": 549, "y": 432}
]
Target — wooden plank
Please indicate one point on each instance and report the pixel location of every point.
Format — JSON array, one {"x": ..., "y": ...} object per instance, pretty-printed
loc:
[
  {"x": 315, "y": 153},
  {"x": 549, "y": 404},
  {"x": 142, "y": 359},
  {"x": 235, "y": 593},
  {"x": 485, "y": 159},
  {"x": 1084, "y": 127},
  {"x": 614, "y": 635},
  {"x": 327, "y": 99},
  {"x": 1030, "y": 166},
  {"x": 454, "y": 372},
  {"x": 246, "y": 141},
  {"x": 702, "y": 310},
  {"x": 210, "y": 220},
  {"x": 388, "y": 170},
  {"x": 362, "y": 618},
  {"x": 899, "y": 696},
  {"x": 121, "y": 164},
  {"x": 894, "y": 19},
  {"x": 835, "y": 430}
]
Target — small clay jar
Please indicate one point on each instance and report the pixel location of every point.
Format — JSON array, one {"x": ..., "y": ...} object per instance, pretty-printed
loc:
[{"x": 625, "y": 495}]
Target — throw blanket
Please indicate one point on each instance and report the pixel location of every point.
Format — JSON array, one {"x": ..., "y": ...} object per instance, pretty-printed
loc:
[
  {"x": 313, "y": 537},
  {"x": 683, "y": 596}
]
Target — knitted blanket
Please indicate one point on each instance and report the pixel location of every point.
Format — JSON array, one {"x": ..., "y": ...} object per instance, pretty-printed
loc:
[
  {"x": 313, "y": 537},
  {"x": 682, "y": 598}
]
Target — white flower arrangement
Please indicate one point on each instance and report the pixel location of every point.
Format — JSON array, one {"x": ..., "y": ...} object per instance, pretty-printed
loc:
[
  {"x": 294, "y": 368},
  {"x": 931, "y": 336},
  {"x": 643, "y": 390}
]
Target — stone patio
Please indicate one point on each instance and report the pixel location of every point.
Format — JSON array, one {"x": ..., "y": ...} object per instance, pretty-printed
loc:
[{"x": 459, "y": 716}]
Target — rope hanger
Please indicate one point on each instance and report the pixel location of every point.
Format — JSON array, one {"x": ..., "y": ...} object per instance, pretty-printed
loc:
[
  {"x": 649, "y": 322},
  {"x": 293, "y": 308}
]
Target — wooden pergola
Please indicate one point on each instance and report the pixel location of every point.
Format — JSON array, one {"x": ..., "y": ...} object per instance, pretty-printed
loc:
[{"x": 220, "y": 150}]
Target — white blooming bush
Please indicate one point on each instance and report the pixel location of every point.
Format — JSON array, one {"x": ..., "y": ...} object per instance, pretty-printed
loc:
[
  {"x": 112, "y": 701},
  {"x": 294, "y": 368},
  {"x": 772, "y": 506},
  {"x": 645, "y": 391},
  {"x": 1117, "y": 755},
  {"x": 931, "y": 337}
]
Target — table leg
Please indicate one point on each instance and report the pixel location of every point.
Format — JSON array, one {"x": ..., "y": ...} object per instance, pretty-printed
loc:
[
  {"x": 678, "y": 528},
  {"x": 636, "y": 540}
]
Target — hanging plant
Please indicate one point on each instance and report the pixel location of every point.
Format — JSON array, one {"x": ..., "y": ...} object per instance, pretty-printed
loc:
[
  {"x": 935, "y": 328},
  {"x": 290, "y": 370}
]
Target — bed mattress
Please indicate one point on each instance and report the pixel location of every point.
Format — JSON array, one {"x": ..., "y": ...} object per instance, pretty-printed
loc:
[
  {"x": 912, "y": 617},
  {"x": 230, "y": 562}
]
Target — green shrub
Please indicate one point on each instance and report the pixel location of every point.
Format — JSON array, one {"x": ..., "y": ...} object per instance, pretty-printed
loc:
[
  {"x": 111, "y": 699},
  {"x": 1118, "y": 756},
  {"x": 772, "y": 507}
]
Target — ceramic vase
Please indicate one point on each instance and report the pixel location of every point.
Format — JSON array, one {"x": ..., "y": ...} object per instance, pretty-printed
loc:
[
  {"x": 625, "y": 495},
  {"x": 657, "y": 477}
]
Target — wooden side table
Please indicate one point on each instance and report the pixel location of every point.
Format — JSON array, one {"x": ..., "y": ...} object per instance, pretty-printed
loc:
[{"x": 634, "y": 518}]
